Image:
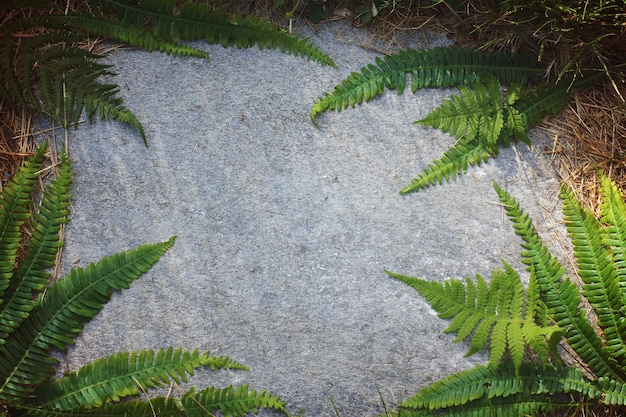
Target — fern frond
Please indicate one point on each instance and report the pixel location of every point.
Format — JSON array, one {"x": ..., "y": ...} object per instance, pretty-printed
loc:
[
  {"x": 515, "y": 405},
  {"x": 472, "y": 389},
  {"x": 196, "y": 21},
  {"x": 59, "y": 317},
  {"x": 481, "y": 308},
  {"x": 560, "y": 296},
  {"x": 51, "y": 74},
  {"x": 42, "y": 249},
  {"x": 439, "y": 67},
  {"x": 137, "y": 36},
  {"x": 102, "y": 99},
  {"x": 597, "y": 271},
  {"x": 482, "y": 114},
  {"x": 230, "y": 401},
  {"x": 613, "y": 216},
  {"x": 453, "y": 162},
  {"x": 15, "y": 203},
  {"x": 457, "y": 389},
  {"x": 122, "y": 374}
]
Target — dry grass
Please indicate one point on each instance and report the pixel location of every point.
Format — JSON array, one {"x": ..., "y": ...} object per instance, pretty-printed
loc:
[
  {"x": 15, "y": 141},
  {"x": 589, "y": 136}
]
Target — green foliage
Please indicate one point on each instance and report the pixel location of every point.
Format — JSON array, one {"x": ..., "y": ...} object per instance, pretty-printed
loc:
[
  {"x": 483, "y": 120},
  {"x": 439, "y": 67},
  {"x": 37, "y": 316},
  {"x": 498, "y": 312},
  {"x": 50, "y": 72},
  {"x": 501, "y": 390},
  {"x": 562, "y": 296},
  {"x": 481, "y": 117},
  {"x": 197, "y": 21},
  {"x": 480, "y": 112}
]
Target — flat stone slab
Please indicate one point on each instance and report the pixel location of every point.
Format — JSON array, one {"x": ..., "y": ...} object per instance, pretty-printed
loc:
[{"x": 284, "y": 230}]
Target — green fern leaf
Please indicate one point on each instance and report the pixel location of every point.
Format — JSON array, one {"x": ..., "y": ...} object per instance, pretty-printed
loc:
[
  {"x": 543, "y": 343},
  {"x": 499, "y": 304},
  {"x": 230, "y": 401},
  {"x": 561, "y": 297},
  {"x": 469, "y": 392},
  {"x": 514, "y": 123},
  {"x": 102, "y": 99},
  {"x": 50, "y": 74},
  {"x": 597, "y": 271},
  {"x": 14, "y": 210},
  {"x": 31, "y": 275},
  {"x": 478, "y": 117},
  {"x": 457, "y": 389},
  {"x": 535, "y": 104},
  {"x": 59, "y": 317},
  {"x": 439, "y": 67},
  {"x": 481, "y": 113},
  {"x": 453, "y": 162},
  {"x": 613, "y": 215},
  {"x": 507, "y": 388},
  {"x": 515, "y": 405},
  {"x": 196, "y": 21},
  {"x": 122, "y": 374},
  {"x": 613, "y": 392},
  {"x": 514, "y": 126},
  {"x": 137, "y": 36}
]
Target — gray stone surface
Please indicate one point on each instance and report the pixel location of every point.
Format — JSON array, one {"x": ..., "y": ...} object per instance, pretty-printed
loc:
[{"x": 284, "y": 229}]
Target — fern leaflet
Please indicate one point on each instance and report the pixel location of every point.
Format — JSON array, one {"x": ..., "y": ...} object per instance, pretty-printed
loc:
[
  {"x": 453, "y": 162},
  {"x": 475, "y": 113},
  {"x": 614, "y": 392}
]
